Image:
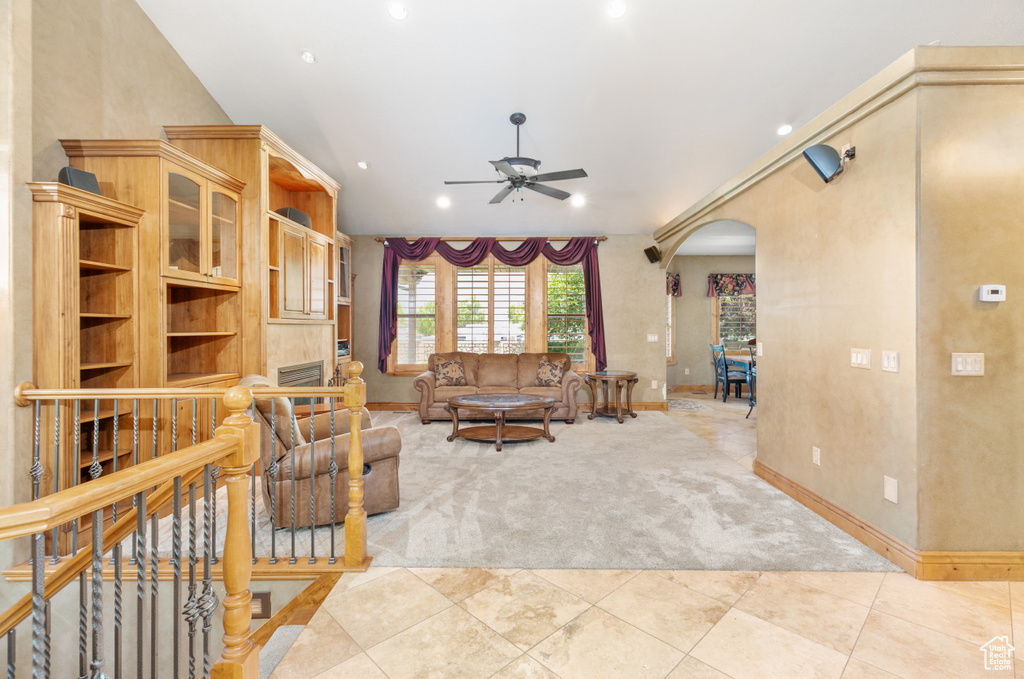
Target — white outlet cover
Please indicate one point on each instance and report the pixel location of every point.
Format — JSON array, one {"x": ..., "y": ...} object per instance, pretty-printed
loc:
[
  {"x": 760, "y": 349},
  {"x": 654, "y": 384},
  {"x": 890, "y": 489},
  {"x": 816, "y": 455},
  {"x": 686, "y": 371}
]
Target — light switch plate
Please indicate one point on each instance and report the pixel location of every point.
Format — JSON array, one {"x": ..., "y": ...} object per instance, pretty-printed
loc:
[
  {"x": 890, "y": 361},
  {"x": 968, "y": 365},
  {"x": 860, "y": 358},
  {"x": 760, "y": 349},
  {"x": 816, "y": 455},
  {"x": 652, "y": 337}
]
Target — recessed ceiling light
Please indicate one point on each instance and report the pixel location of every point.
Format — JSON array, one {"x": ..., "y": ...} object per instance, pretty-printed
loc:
[
  {"x": 578, "y": 200},
  {"x": 397, "y": 11},
  {"x": 616, "y": 9},
  {"x": 307, "y": 56},
  {"x": 784, "y": 130},
  {"x": 363, "y": 164},
  {"x": 444, "y": 201}
]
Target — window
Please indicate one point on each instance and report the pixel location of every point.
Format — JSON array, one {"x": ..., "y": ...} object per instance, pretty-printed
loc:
[
  {"x": 670, "y": 331},
  {"x": 488, "y": 308},
  {"x": 735, "y": 321},
  {"x": 416, "y": 313},
  {"x": 566, "y": 312}
]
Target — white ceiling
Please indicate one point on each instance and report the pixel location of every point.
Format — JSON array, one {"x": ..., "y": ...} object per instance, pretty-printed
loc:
[{"x": 660, "y": 106}]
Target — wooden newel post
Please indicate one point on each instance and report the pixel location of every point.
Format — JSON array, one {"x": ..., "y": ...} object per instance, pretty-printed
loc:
[
  {"x": 355, "y": 520},
  {"x": 240, "y": 660}
]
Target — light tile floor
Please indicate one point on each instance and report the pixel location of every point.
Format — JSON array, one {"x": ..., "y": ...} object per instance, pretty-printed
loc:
[{"x": 398, "y": 623}]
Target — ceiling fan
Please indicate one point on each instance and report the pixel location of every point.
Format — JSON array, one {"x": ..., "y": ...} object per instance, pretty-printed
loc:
[{"x": 522, "y": 173}]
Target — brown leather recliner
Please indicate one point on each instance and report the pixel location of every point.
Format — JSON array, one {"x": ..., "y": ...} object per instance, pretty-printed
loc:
[{"x": 381, "y": 447}]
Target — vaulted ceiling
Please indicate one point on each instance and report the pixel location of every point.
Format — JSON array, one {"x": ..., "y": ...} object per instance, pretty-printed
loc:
[{"x": 659, "y": 106}]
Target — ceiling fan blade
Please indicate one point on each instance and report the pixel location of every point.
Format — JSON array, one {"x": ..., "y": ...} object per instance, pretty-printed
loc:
[
  {"x": 556, "y": 176},
  {"x": 485, "y": 181},
  {"x": 503, "y": 167},
  {"x": 548, "y": 191},
  {"x": 502, "y": 195}
]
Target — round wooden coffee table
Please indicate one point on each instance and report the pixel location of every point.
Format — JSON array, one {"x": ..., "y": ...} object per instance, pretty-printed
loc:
[
  {"x": 620, "y": 378},
  {"x": 500, "y": 404}
]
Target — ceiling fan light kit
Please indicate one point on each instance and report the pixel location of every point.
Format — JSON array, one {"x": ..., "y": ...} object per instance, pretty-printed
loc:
[{"x": 524, "y": 173}]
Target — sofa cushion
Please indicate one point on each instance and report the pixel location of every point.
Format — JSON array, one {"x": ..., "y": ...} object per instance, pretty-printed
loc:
[
  {"x": 498, "y": 370},
  {"x": 497, "y": 390},
  {"x": 553, "y": 392},
  {"x": 469, "y": 363},
  {"x": 442, "y": 394},
  {"x": 449, "y": 372},
  {"x": 549, "y": 373},
  {"x": 528, "y": 364}
]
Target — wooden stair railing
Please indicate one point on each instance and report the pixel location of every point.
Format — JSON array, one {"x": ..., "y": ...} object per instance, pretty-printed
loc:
[{"x": 235, "y": 448}]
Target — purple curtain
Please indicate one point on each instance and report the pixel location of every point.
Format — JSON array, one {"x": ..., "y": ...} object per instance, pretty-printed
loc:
[{"x": 578, "y": 250}]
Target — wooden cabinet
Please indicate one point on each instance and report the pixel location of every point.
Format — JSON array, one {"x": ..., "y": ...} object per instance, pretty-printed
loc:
[
  {"x": 201, "y": 230},
  {"x": 190, "y": 265},
  {"x": 304, "y": 286},
  {"x": 85, "y": 330},
  {"x": 343, "y": 281},
  {"x": 290, "y": 280}
]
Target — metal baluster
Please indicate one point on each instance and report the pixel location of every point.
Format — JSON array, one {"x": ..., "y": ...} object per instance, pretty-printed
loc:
[
  {"x": 176, "y": 561},
  {"x": 292, "y": 494},
  {"x": 12, "y": 647},
  {"x": 272, "y": 470},
  {"x": 252, "y": 495},
  {"x": 174, "y": 425},
  {"x": 37, "y": 467},
  {"x": 118, "y": 616},
  {"x": 209, "y": 599},
  {"x": 312, "y": 484},
  {"x": 77, "y": 470},
  {"x": 140, "y": 575},
  {"x": 83, "y": 627},
  {"x": 116, "y": 453},
  {"x": 332, "y": 471},
  {"x": 97, "y": 593},
  {"x": 154, "y": 566},
  {"x": 46, "y": 641},
  {"x": 56, "y": 471},
  {"x": 38, "y": 605},
  {"x": 215, "y": 472},
  {"x": 95, "y": 469},
  {"x": 191, "y": 610},
  {"x": 135, "y": 460}
]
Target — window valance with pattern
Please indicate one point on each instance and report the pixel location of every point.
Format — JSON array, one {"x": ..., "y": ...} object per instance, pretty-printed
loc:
[
  {"x": 580, "y": 250},
  {"x": 729, "y": 284}
]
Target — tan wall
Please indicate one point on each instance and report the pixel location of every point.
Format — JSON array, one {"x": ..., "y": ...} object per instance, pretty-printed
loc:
[
  {"x": 972, "y": 233},
  {"x": 73, "y": 69},
  {"x": 836, "y": 269},
  {"x": 632, "y": 288},
  {"x": 694, "y": 314}
]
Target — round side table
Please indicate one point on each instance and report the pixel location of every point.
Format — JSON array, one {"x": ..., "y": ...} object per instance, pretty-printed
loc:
[{"x": 623, "y": 380}]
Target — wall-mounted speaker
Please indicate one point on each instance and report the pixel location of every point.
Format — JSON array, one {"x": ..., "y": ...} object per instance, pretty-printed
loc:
[
  {"x": 297, "y": 216},
  {"x": 80, "y": 179},
  {"x": 653, "y": 254}
]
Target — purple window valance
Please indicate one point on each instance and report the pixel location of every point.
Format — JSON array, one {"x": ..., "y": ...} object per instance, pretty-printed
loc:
[
  {"x": 727, "y": 284},
  {"x": 578, "y": 250}
]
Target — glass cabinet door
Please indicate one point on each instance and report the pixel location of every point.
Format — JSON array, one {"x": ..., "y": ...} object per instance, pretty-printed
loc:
[
  {"x": 184, "y": 249},
  {"x": 344, "y": 264},
  {"x": 293, "y": 273},
  {"x": 223, "y": 236},
  {"x": 317, "y": 278}
]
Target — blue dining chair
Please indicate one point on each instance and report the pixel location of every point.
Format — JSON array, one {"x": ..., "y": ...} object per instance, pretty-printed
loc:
[
  {"x": 752, "y": 380},
  {"x": 724, "y": 375}
]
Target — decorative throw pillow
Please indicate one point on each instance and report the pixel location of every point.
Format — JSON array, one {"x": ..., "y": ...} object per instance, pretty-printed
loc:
[
  {"x": 549, "y": 373},
  {"x": 449, "y": 372}
]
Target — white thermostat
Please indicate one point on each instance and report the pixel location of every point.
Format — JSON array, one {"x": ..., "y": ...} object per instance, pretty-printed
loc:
[{"x": 992, "y": 293}]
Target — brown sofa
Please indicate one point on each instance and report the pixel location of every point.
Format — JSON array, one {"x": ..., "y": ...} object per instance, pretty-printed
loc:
[
  {"x": 498, "y": 374},
  {"x": 381, "y": 447}
]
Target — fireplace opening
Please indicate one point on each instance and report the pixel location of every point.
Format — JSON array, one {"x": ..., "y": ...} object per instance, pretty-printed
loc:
[{"x": 302, "y": 375}]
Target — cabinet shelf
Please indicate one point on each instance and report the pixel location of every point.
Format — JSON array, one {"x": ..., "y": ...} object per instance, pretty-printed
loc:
[
  {"x": 105, "y": 366},
  {"x": 87, "y": 265},
  {"x": 172, "y": 335},
  {"x": 104, "y": 317},
  {"x": 85, "y": 457},
  {"x": 192, "y": 379}
]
